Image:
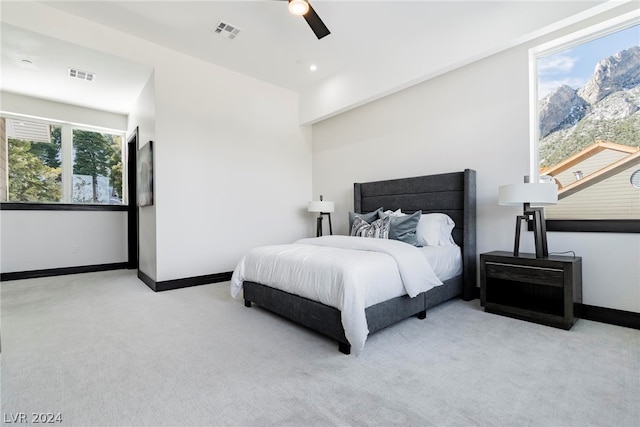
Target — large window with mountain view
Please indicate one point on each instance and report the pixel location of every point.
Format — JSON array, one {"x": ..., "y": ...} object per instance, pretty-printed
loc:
[
  {"x": 61, "y": 163},
  {"x": 587, "y": 136}
]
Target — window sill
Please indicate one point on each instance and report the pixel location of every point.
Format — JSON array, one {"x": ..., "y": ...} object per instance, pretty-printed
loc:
[
  {"x": 7, "y": 206},
  {"x": 594, "y": 225}
]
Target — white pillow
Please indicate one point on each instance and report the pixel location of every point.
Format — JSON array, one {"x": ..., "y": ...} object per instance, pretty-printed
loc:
[
  {"x": 434, "y": 229},
  {"x": 394, "y": 213}
]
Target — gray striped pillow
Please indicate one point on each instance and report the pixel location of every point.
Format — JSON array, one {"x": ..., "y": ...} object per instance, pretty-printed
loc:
[{"x": 378, "y": 229}]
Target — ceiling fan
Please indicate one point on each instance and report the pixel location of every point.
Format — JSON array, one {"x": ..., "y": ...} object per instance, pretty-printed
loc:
[{"x": 302, "y": 7}]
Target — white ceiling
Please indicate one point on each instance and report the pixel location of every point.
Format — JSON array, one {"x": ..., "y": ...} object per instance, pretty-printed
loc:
[
  {"x": 116, "y": 86},
  {"x": 273, "y": 46}
]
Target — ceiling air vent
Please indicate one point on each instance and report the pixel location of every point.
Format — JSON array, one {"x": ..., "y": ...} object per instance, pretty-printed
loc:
[
  {"x": 226, "y": 30},
  {"x": 82, "y": 75}
]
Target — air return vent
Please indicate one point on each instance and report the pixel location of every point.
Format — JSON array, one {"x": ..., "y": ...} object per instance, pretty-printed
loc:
[
  {"x": 226, "y": 30},
  {"x": 82, "y": 75}
]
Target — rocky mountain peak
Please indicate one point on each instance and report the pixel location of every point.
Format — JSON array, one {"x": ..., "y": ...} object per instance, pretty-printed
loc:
[
  {"x": 560, "y": 109},
  {"x": 618, "y": 72},
  {"x": 564, "y": 107}
]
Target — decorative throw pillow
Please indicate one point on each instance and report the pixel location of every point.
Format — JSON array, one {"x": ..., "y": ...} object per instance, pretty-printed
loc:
[
  {"x": 403, "y": 227},
  {"x": 369, "y": 216},
  {"x": 434, "y": 229},
  {"x": 378, "y": 229}
]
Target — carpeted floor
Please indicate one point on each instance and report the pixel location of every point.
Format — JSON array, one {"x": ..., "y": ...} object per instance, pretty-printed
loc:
[{"x": 102, "y": 349}]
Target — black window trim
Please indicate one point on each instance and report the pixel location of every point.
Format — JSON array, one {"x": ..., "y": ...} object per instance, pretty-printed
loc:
[
  {"x": 26, "y": 206},
  {"x": 594, "y": 225}
]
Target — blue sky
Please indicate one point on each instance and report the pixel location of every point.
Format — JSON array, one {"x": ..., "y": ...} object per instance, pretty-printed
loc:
[{"x": 575, "y": 66}]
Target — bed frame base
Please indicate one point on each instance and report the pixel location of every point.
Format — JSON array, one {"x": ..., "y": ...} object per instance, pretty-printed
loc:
[
  {"x": 328, "y": 321},
  {"x": 344, "y": 348}
]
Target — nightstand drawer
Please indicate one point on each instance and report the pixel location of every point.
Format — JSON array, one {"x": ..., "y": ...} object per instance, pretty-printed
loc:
[{"x": 524, "y": 273}]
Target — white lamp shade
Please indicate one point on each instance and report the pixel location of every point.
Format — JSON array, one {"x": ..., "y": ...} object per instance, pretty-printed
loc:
[
  {"x": 321, "y": 206},
  {"x": 533, "y": 193}
]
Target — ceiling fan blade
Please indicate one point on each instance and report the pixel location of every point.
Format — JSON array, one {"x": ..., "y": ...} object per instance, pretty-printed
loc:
[{"x": 316, "y": 23}]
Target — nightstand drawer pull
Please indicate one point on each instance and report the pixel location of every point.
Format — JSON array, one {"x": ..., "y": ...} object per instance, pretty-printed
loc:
[{"x": 523, "y": 273}]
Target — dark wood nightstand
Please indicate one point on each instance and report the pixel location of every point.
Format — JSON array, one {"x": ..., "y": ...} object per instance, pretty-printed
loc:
[{"x": 542, "y": 290}]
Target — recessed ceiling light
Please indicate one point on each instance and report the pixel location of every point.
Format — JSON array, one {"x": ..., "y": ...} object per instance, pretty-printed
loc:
[{"x": 313, "y": 67}]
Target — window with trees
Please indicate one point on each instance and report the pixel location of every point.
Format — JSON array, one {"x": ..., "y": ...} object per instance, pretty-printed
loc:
[
  {"x": 61, "y": 163},
  {"x": 586, "y": 122}
]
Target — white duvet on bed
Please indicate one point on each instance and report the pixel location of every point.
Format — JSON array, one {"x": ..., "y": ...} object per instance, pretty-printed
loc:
[
  {"x": 348, "y": 273},
  {"x": 446, "y": 261}
]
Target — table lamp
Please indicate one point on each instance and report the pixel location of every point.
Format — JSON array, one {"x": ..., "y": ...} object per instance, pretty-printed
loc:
[
  {"x": 527, "y": 194},
  {"x": 323, "y": 208}
]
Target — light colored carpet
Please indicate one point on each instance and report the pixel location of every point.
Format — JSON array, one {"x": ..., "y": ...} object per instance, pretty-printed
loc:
[{"x": 103, "y": 349}]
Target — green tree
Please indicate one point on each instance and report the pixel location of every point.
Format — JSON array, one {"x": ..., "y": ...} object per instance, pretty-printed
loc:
[
  {"x": 49, "y": 152},
  {"x": 30, "y": 178},
  {"x": 558, "y": 146},
  {"x": 92, "y": 157},
  {"x": 115, "y": 164}
]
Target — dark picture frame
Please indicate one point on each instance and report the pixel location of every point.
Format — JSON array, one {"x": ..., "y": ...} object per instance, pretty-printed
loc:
[{"x": 145, "y": 175}]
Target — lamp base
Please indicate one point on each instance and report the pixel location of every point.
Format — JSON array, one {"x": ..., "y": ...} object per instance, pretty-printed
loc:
[
  {"x": 319, "y": 224},
  {"x": 536, "y": 216}
]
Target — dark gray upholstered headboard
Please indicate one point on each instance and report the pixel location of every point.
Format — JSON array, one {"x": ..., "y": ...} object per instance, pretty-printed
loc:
[{"x": 451, "y": 193}]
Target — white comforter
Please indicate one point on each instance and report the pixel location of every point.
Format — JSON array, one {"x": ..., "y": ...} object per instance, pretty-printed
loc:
[{"x": 348, "y": 273}]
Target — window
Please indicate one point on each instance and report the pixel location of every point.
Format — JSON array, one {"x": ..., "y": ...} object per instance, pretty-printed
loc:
[
  {"x": 35, "y": 173},
  {"x": 97, "y": 167},
  {"x": 61, "y": 163},
  {"x": 586, "y": 122}
]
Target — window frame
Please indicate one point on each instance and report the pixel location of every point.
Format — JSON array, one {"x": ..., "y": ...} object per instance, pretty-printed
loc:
[
  {"x": 35, "y": 206},
  {"x": 592, "y": 32},
  {"x": 66, "y": 150}
]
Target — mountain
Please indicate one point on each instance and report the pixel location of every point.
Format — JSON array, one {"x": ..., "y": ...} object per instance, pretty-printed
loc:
[
  {"x": 607, "y": 107},
  {"x": 618, "y": 72},
  {"x": 561, "y": 109}
]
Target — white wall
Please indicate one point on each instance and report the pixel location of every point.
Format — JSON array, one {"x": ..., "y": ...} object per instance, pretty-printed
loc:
[
  {"x": 232, "y": 166},
  {"x": 42, "y": 108},
  {"x": 36, "y": 240},
  {"x": 474, "y": 117}
]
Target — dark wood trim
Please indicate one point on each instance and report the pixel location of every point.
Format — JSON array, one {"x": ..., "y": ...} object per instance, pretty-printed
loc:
[
  {"x": 628, "y": 319},
  {"x": 133, "y": 248},
  {"x": 6, "y": 206},
  {"x": 593, "y": 225},
  {"x": 147, "y": 280},
  {"x": 167, "y": 285},
  {"x": 18, "y": 275}
]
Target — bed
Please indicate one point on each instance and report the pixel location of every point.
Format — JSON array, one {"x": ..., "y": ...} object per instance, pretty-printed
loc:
[{"x": 452, "y": 194}]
